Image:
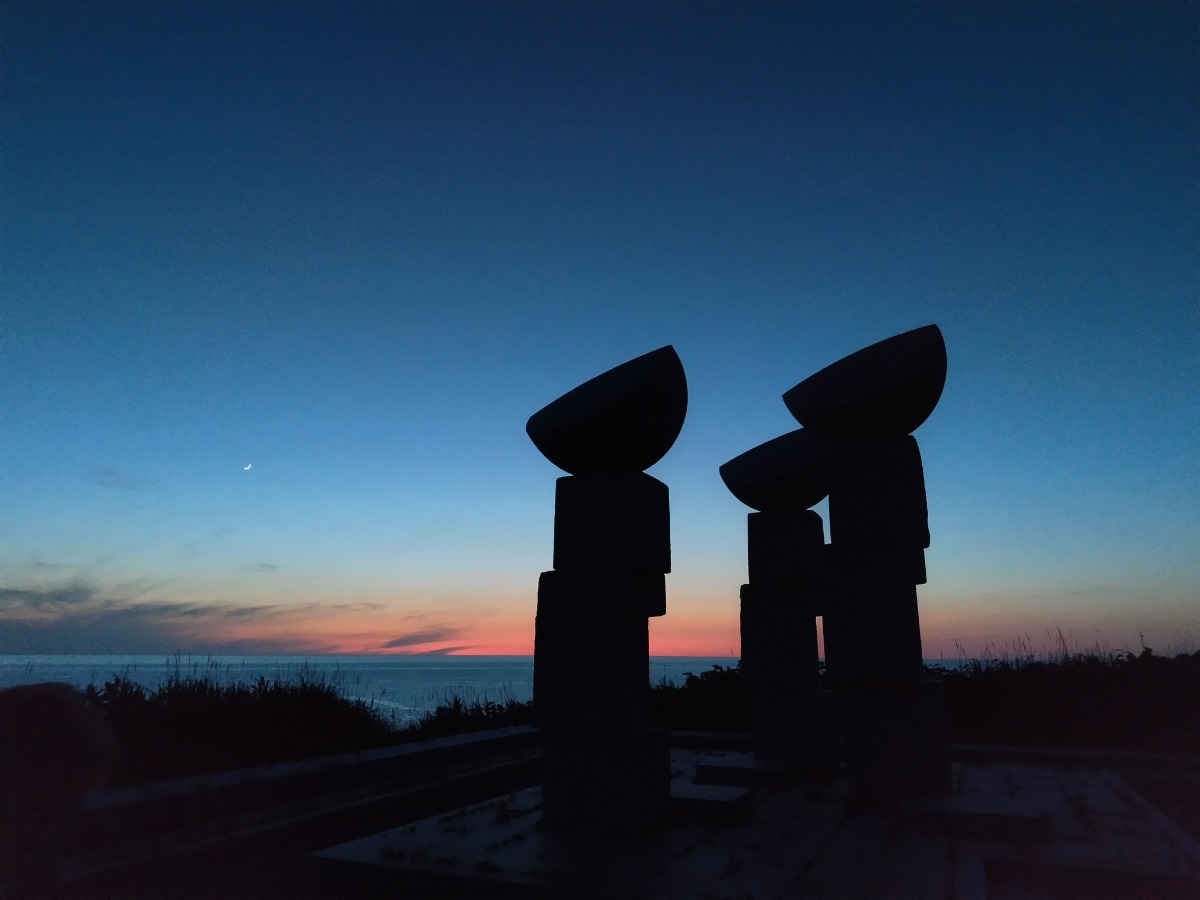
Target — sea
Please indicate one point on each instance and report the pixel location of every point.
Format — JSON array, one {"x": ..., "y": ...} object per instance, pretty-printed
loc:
[{"x": 401, "y": 687}]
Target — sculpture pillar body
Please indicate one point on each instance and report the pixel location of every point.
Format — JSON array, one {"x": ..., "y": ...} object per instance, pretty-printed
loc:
[
  {"x": 780, "y": 604},
  {"x": 605, "y": 769},
  {"x": 892, "y": 719},
  {"x": 879, "y": 529}
]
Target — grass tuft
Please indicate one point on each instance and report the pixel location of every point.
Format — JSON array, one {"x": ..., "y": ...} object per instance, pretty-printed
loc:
[
  {"x": 193, "y": 724},
  {"x": 711, "y": 701},
  {"x": 456, "y": 715},
  {"x": 1095, "y": 699}
]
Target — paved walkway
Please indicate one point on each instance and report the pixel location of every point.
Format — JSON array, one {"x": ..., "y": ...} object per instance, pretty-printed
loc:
[{"x": 1008, "y": 831}]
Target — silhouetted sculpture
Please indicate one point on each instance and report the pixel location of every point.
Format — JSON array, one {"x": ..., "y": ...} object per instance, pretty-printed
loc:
[
  {"x": 784, "y": 594},
  {"x": 605, "y": 770},
  {"x": 864, "y": 406},
  {"x": 888, "y": 388},
  {"x": 856, "y": 448},
  {"x": 622, "y": 421}
]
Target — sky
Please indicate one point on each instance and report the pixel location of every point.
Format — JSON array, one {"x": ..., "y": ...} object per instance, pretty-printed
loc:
[{"x": 281, "y": 283}]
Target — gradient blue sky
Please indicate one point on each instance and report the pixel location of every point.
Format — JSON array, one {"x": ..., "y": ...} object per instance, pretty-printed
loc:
[{"x": 357, "y": 245}]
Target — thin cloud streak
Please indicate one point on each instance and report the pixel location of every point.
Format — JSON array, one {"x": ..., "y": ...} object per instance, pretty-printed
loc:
[
  {"x": 121, "y": 481},
  {"x": 124, "y": 636},
  {"x": 428, "y": 636},
  {"x": 72, "y": 595},
  {"x": 81, "y": 617},
  {"x": 445, "y": 651}
]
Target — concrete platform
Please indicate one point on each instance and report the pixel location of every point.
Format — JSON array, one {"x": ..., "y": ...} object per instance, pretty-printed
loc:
[{"x": 1007, "y": 832}]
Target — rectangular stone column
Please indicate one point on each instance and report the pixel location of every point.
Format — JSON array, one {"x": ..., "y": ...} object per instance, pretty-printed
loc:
[
  {"x": 606, "y": 770},
  {"x": 892, "y": 723},
  {"x": 790, "y": 720}
]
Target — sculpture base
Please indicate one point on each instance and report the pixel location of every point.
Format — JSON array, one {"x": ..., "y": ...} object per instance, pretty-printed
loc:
[
  {"x": 801, "y": 732},
  {"x": 895, "y": 742},
  {"x": 605, "y": 768},
  {"x": 791, "y": 720},
  {"x": 604, "y": 785}
]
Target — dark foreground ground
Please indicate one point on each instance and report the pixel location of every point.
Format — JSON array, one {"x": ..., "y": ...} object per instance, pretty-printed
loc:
[
  {"x": 1114, "y": 846},
  {"x": 257, "y": 842},
  {"x": 252, "y": 834}
]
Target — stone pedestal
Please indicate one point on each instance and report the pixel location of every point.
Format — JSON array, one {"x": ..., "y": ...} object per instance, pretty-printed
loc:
[
  {"x": 605, "y": 768},
  {"x": 872, "y": 625},
  {"x": 591, "y": 650},
  {"x": 779, "y": 637},
  {"x": 877, "y": 493},
  {"x": 612, "y": 522},
  {"x": 895, "y": 741},
  {"x": 785, "y": 548}
]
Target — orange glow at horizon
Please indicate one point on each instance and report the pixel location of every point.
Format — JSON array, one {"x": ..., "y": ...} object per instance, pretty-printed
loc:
[
  {"x": 709, "y": 634},
  {"x": 459, "y": 633},
  {"x": 376, "y": 631},
  {"x": 699, "y": 623}
]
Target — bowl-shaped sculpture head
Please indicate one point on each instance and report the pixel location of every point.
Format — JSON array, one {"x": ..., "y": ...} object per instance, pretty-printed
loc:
[
  {"x": 622, "y": 421},
  {"x": 787, "y": 472},
  {"x": 886, "y": 388}
]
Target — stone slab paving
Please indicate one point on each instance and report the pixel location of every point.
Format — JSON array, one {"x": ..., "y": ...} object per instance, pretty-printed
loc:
[{"x": 1002, "y": 829}]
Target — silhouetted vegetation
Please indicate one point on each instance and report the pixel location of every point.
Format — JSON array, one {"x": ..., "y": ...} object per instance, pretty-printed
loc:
[
  {"x": 191, "y": 724},
  {"x": 1093, "y": 699},
  {"x": 195, "y": 723},
  {"x": 711, "y": 701},
  {"x": 459, "y": 716},
  {"x": 1103, "y": 700}
]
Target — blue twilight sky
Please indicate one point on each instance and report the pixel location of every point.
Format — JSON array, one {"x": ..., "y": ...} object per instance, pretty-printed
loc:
[{"x": 356, "y": 245}]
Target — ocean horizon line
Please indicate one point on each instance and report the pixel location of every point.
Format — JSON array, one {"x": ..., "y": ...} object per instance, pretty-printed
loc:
[{"x": 425, "y": 655}]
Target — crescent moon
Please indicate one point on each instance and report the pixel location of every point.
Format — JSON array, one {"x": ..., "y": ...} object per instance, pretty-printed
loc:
[{"x": 246, "y": 468}]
